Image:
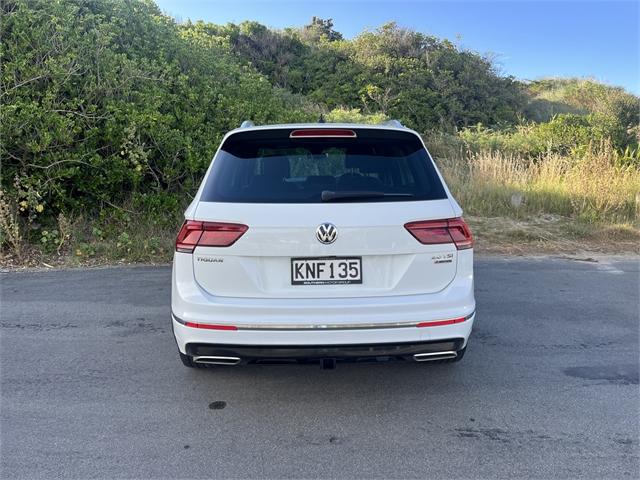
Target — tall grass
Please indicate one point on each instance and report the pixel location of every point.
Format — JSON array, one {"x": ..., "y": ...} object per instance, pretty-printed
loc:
[{"x": 591, "y": 186}]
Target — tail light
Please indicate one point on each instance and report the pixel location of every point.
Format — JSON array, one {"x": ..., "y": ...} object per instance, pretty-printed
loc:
[
  {"x": 207, "y": 234},
  {"x": 453, "y": 230}
]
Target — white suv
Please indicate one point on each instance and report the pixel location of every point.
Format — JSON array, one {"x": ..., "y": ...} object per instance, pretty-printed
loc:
[{"x": 322, "y": 243}]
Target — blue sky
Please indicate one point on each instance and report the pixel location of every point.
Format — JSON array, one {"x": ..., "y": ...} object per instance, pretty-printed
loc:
[{"x": 529, "y": 39}]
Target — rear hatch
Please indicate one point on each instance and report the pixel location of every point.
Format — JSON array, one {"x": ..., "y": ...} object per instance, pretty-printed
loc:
[{"x": 326, "y": 211}]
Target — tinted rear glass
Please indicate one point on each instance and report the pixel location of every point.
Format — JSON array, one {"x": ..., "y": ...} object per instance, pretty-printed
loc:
[{"x": 269, "y": 167}]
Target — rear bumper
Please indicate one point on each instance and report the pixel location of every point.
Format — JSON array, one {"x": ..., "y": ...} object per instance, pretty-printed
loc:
[
  {"x": 321, "y": 339},
  {"x": 275, "y": 354},
  {"x": 320, "y": 322}
]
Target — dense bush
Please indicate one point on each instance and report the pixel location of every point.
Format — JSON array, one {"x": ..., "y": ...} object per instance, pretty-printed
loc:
[
  {"x": 569, "y": 95},
  {"x": 612, "y": 112},
  {"x": 108, "y": 97},
  {"x": 564, "y": 134},
  {"x": 393, "y": 71}
]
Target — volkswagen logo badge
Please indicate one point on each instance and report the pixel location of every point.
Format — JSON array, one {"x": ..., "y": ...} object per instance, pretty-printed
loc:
[{"x": 326, "y": 233}]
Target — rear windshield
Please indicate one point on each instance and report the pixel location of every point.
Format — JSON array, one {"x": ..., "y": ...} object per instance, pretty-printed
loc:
[{"x": 269, "y": 167}]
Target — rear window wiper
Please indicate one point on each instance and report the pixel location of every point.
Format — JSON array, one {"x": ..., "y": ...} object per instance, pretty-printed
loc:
[{"x": 331, "y": 196}]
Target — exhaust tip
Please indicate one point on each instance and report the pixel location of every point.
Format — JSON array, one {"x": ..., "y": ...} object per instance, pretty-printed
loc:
[
  {"x": 433, "y": 356},
  {"x": 217, "y": 360}
]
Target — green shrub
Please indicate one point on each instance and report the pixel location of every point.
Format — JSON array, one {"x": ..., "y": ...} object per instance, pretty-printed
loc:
[
  {"x": 353, "y": 115},
  {"x": 563, "y": 134},
  {"x": 105, "y": 100}
]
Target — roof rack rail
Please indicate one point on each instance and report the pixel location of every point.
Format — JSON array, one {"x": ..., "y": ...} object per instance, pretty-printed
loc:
[
  {"x": 247, "y": 124},
  {"x": 393, "y": 123}
]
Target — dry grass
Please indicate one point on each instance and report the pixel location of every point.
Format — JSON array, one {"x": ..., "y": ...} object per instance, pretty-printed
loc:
[
  {"x": 549, "y": 204},
  {"x": 590, "y": 187},
  {"x": 551, "y": 234}
]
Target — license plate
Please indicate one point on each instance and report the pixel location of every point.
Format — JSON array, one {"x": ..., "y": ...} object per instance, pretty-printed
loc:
[{"x": 326, "y": 271}]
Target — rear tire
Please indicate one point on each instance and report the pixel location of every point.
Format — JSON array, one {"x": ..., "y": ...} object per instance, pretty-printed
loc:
[{"x": 187, "y": 361}]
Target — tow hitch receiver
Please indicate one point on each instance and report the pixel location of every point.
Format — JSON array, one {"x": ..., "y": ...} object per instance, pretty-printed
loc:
[{"x": 328, "y": 363}]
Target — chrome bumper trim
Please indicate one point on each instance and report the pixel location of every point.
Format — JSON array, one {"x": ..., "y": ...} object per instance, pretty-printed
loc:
[{"x": 329, "y": 326}]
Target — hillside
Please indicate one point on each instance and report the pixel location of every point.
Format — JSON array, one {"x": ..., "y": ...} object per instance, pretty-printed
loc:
[
  {"x": 111, "y": 112},
  {"x": 425, "y": 81}
]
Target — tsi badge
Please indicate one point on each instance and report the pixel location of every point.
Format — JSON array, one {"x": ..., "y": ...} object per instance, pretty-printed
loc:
[
  {"x": 326, "y": 233},
  {"x": 444, "y": 258}
]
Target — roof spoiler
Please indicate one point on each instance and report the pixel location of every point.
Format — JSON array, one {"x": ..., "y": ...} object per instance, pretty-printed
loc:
[{"x": 393, "y": 123}]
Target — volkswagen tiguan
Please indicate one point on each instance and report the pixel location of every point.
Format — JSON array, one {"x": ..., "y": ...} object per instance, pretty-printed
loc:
[{"x": 322, "y": 243}]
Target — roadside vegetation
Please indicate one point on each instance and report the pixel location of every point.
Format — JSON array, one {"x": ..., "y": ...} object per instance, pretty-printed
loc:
[
  {"x": 111, "y": 111},
  {"x": 586, "y": 201}
]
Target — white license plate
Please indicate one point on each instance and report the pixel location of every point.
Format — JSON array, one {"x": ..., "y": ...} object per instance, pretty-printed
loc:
[{"x": 326, "y": 271}]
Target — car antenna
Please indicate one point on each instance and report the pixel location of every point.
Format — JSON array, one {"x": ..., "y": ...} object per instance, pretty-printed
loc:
[{"x": 321, "y": 119}]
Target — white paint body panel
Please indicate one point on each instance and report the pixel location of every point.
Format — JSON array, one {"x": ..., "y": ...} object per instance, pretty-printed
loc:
[
  {"x": 191, "y": 303},
  {"x": 258, "y": 265}
]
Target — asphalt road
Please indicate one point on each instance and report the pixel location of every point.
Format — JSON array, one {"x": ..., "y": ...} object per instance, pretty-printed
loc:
[{"x": 92, "y": 387}]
